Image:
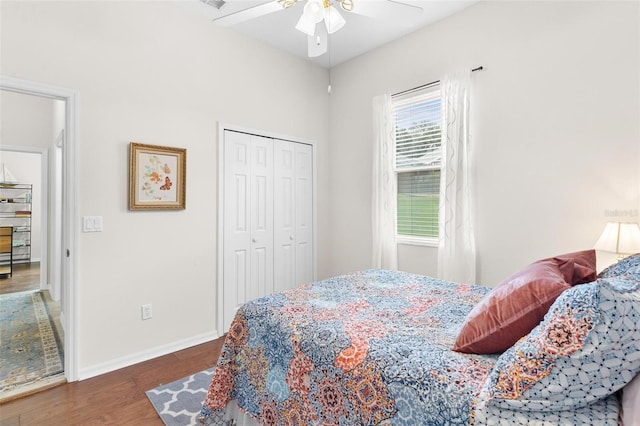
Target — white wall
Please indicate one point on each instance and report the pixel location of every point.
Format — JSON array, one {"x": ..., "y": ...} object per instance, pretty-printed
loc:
[
  {"x": 25, "y": 120},
  {"x": 556, "y": 128},
  {"x": 155, "y": 72}
]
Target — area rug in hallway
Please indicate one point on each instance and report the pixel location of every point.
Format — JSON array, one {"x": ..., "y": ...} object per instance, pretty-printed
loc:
[
  {"x": 179, "y": 403},
  {"x": 30, "y": 348}
]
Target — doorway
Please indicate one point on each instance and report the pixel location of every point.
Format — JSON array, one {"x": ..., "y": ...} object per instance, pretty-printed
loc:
[
  {"x": 60, "y": 256},
  {"x": 32, "y": 346}
]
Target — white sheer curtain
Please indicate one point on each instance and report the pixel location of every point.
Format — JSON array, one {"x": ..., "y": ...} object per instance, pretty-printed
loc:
[
  {"x": 456, "y": 251},
  {"x": 384, "y": 198}
]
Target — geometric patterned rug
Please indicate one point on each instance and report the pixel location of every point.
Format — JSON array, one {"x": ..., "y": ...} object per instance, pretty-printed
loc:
[
  {"x": 30, "y": 348},
  {"x": 179, "y": 403}
]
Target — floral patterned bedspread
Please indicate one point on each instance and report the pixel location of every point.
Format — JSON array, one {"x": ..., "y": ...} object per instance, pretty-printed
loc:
[{"x": 360, "y": 349}]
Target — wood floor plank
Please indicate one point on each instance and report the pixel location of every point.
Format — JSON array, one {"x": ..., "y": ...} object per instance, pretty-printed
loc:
[
  {"x": 116, "y": 398},
  {"x": 26, "y": 277}
]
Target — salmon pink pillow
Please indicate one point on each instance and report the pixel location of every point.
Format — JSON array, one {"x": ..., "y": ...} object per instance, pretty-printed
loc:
[
  {"x": 513, "y": 308},
  {"x": 584, "y": 266},
  {"x": 519, "y": 303}
]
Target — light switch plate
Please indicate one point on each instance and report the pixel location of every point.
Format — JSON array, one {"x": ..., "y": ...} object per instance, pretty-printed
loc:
[
  {"x": 147, "y": 312},
  {"x": 92, "y": 224}
]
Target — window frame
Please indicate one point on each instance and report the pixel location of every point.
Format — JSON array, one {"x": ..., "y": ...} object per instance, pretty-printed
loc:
[{"x": 409, "y": 99}]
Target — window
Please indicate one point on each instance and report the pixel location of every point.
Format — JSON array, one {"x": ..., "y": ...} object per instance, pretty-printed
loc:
[{"x": 417, "y": 166}]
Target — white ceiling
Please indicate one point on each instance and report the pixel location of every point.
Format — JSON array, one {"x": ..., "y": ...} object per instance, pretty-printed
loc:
[{"x": 391, "y": 20}]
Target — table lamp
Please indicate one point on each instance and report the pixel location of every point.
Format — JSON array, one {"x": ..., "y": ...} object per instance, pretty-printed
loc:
[{"x": 620, "y": 238}]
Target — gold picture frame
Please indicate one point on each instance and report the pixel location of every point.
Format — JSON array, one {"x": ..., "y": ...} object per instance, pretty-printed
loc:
[{"x": 157, "y": 177}]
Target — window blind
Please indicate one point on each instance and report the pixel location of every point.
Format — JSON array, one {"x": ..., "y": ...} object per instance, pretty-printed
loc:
[{"x": 418, "y": 160}]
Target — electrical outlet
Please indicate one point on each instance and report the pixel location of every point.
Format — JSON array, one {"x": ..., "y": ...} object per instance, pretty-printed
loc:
[{"x": 147, "y": 313}]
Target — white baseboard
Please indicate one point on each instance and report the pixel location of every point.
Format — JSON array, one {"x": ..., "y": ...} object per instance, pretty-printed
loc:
[{"x": 126, "y": 361}]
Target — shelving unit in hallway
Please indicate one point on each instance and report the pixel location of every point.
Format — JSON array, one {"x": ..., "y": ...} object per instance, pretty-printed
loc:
[{"x": 15, "y": 212}]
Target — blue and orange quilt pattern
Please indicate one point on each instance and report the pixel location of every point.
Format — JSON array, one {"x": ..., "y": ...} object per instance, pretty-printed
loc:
[{"x": 360, "y": 349}]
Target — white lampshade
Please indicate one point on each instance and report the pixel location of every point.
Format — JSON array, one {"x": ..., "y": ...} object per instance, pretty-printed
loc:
[
  {"x": 620, "y": 238},
  {"x": 306, "y": 25},
  {"x": 314, "y": 9},
  {"x": 333, "y": 20}
]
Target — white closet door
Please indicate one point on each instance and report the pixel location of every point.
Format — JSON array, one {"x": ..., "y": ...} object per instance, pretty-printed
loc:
[
  {"x": 293, "y": 214},
  {"x": 261, "y": 218},
  {"x": 303, "y": 213},
  {"x": 284, "y": 215},
  {"x": 267, "y": 218},
  {"x": 247, "y": 220},
  {"x": 236, "y": 220}
]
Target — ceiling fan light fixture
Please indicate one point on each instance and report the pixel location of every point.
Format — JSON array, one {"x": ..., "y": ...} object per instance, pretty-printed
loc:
[
  {"x": 333, "y": 20},
  {"x": 306, "y": 24},
  {"x": 314, "y": 9}
]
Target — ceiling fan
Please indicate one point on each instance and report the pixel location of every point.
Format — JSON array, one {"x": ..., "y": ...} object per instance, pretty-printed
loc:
[{"x": 314, "y": 13}]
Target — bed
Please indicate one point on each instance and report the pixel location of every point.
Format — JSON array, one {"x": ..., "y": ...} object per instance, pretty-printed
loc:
[{"x": 374, "y": 347}]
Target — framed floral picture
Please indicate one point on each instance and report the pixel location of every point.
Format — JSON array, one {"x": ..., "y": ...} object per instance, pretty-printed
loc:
[{"x": 157, "y": 177}]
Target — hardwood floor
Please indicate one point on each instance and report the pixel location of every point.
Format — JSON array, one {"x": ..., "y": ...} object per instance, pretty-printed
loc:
[
  {"x": 25, "y": 277},
  {"x": 116, "y": 398}
]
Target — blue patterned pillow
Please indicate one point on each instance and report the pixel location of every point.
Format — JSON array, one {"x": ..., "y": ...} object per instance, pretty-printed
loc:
[
  {"x": 587, "y": 347},
  {"x": 621, "y": 267}
]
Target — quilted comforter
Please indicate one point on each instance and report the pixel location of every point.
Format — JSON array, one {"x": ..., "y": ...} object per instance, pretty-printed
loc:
[{"x": 367, "y": 348}]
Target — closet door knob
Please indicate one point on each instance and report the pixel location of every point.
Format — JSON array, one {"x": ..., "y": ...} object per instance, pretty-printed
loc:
[
  {"x": 291, "y": 237},
  {"x": 254, "y": 240}
]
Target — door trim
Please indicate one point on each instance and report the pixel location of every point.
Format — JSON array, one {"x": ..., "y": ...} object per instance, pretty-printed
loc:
[
  {"x": 222, "y": 127},
  {"x": 69, "y": 201}
]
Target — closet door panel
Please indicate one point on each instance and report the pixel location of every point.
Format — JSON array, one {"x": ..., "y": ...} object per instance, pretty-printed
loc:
[
  {"x": 261, "y": 216},
  {"x": 303, "y": 213},
  {"x": 236, "y": 220},
  {"x": 284, "y": 215}
]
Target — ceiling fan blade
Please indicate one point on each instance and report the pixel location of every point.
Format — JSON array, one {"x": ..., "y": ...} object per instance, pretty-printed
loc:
[
  {"x": 247, "y": 14},
  {"x": 386, "y": 9}
]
